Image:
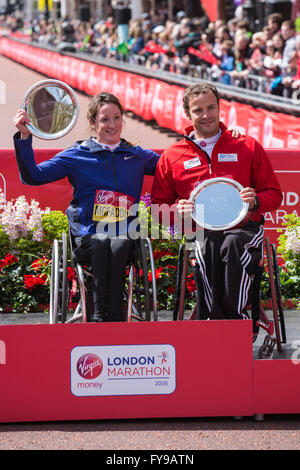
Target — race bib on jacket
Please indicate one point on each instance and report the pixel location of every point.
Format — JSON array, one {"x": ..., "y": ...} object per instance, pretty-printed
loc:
[{"x": 111, "y": 206}]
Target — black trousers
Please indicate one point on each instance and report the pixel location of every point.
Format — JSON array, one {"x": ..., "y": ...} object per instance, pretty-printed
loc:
[
  {"x": 225, "y": 266},
  {"x": 108, "y": 258}
]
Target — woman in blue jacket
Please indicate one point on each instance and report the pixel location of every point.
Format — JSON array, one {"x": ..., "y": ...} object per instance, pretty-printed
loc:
[{"x": 106, "y": 173}]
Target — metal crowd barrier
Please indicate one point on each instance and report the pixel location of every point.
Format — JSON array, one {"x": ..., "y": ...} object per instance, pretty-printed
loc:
[{"x": 251, "y": 82}]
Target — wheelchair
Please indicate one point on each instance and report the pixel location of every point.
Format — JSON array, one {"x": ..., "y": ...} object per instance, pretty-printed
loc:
[
  {"x": 140, "y": 299},
  {"x": 275, "y": 327}
]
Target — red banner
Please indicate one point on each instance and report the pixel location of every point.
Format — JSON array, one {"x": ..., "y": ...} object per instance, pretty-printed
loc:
[
  {"x": 272, "y": 130},
  {"x": 55, "y": 195}
]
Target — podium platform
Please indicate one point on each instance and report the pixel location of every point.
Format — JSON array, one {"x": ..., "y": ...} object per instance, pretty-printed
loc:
[{"x": 159, "y": 369}]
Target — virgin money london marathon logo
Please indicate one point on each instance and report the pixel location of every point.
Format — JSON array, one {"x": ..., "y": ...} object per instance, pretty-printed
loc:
[
  {"x": 123, "y": 370},
  {"x": 89, "y": 366}
]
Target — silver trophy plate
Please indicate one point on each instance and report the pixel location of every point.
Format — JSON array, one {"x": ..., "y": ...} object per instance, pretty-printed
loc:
[
  {"x": 218, "y": 204},
  {"x": 52, "y": 107}
]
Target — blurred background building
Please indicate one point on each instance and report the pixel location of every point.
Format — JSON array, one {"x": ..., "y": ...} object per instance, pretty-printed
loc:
[{"x": 255, "y": 11}]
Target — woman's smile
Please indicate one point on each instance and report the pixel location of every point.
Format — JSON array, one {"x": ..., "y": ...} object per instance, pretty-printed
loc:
[{"x": 108, "y": 124}]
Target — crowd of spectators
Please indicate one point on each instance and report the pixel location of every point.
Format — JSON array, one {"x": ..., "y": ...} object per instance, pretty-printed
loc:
[{"x": 226, "y": 52}]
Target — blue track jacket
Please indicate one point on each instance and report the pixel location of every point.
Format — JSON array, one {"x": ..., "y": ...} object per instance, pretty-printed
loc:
[{"x": 91, "y": 170}]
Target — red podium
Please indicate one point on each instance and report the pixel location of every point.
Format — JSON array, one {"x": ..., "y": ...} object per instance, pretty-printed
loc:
[{"x": 140, "y": 370}]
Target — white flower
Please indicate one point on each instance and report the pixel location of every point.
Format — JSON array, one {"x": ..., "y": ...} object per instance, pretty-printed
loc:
[
  {"x": 293, "y": 240},
  {"x": 19, "y": 218}
]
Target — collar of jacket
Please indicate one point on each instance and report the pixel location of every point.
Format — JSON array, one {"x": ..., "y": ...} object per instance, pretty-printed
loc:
[
  {"x": 94, "y": 147},
  {"x": 190, "y": 129}
]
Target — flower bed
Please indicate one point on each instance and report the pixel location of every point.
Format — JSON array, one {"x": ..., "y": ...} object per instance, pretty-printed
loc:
[
  {"x": 27, "y": 234},
  {"x": 289, "y": 247}
]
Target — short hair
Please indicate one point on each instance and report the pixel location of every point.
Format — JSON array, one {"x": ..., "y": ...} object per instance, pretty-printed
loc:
[
  {"x": 289, "y": 24},
  {"x": 227, "y": 43},
  {"x": 100, "y": 100},
  {"x": 275, "y": 17},
  {"x": 198, "y": 89}
]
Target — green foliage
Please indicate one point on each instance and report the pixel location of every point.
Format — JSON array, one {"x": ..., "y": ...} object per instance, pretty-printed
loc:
[
  {"x": 54, "y": 223},
  {"x": 20, "y": 290},
  {"x": 289, "y": 249},
  {"x": 4, "y": 243},
  {"x": 27, "y": 247}
]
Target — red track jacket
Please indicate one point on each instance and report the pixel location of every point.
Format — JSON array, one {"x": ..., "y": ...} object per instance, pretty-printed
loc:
[{"x": 184, "y": 165}]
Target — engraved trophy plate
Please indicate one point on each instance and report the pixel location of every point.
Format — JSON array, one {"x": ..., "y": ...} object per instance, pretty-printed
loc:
[
  {"x": 218, "y": 204},
  {"x": 52, "y": 107}
]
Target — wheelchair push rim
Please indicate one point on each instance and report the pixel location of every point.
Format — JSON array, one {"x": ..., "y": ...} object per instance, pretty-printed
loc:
[{"x": 58, "y": 304}]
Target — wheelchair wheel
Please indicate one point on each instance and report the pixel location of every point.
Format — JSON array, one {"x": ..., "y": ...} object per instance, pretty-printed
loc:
[
  {"x": 180, "y": 291},
  {"x": 147, "y": 265},
  {"x": 278, "y": 293},
  {"x": 53, "y": 305},
  {"x": 145, "y": 278},
  {"x": 83, "y": 278},
  {"x": 63, "y": 287},
  {"x": 178, "y": 282},
  {"x": 131, "y": 312},
  {"x": 183, "y": 278},
  {"x": 141, "y": 295},
  {"x": 270, "y": 265},
  {"x": 59, "y": 281},
  {"x": 82, "y": 287}
]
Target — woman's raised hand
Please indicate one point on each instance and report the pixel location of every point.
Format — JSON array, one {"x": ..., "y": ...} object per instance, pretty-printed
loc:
[{"x": 20, "y": 120}]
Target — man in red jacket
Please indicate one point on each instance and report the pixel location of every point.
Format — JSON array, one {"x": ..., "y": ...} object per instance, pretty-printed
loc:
[{"x": 225, "y": 261}]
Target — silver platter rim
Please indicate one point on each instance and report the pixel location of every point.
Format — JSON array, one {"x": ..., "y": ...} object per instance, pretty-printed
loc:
[
  {"x": 48, "y": 82},
  {"x": 204, "y": 184}
]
